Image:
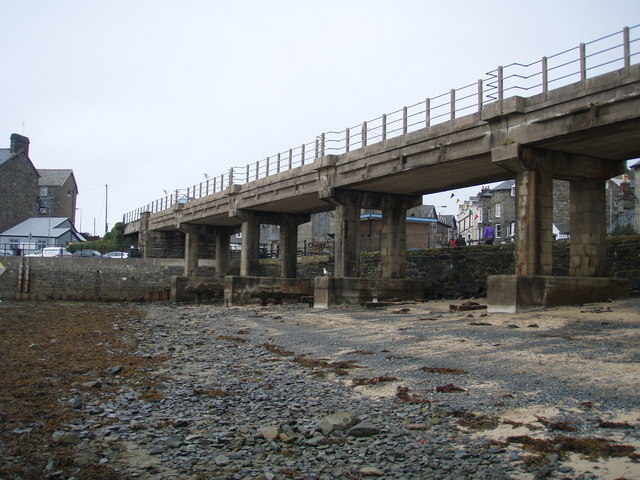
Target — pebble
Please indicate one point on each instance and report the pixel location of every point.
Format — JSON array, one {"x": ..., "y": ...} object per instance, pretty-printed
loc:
[{"x": 232, "y": 409}]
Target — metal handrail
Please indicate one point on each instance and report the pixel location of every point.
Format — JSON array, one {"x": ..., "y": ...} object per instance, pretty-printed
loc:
[{"x": 525, "y": 78}]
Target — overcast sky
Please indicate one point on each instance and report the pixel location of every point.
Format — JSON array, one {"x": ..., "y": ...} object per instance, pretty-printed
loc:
[{"x": 149, "y": 95}]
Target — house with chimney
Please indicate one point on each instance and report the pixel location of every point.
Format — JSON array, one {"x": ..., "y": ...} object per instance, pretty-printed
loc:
[
  {"x": 29, "y": 193},
  {"x": 18, "y": 184}
]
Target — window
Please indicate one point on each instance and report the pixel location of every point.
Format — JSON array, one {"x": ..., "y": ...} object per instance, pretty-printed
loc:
[
  {"x": 14, "y": 244},
  {"x": 498, "y": 210},
  {"x": 513, "y": 191},
  {"x": 40, "y": 244},
  {"x": 44, "y": 191},
  {"x": 498, "y": 230}
]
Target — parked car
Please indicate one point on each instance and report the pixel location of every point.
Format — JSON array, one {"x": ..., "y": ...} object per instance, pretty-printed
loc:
[
  {"x": 116, "y": 255},
  {"x": 87, "y": 253},
  {"x": 50, "y": 252}
]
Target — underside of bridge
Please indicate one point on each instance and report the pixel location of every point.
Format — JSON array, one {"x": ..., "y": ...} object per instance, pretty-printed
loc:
[{"x": 582, "y": 133}]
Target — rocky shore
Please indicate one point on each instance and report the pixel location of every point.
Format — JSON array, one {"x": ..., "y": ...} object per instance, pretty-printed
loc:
[{"x": 412, "y": 391}]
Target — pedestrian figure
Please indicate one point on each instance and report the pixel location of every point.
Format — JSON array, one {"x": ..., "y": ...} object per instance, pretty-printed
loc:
[
  {"x": 461, "y": 242},
  {"x": 488, "y": 235}
]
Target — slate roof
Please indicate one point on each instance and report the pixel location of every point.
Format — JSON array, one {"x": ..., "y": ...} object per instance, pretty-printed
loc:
[
  {"x": 53, "y": 177},
  {"x": 5, "y": 154},
  {"x": 39, "y": 227},
  {"x": 563, "y": 227},
  {"x": 506, "y": 185}
]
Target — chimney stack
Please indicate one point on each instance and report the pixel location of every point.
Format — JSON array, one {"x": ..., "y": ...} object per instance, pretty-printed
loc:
[{"x": 19, "y": 143}]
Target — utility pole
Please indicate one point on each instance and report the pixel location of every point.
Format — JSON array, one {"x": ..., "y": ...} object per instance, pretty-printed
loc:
[{"x": 106, "y": 207}]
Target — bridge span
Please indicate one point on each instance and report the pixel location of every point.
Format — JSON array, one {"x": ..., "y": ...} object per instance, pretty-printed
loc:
[{"x": 582, "y": 132}]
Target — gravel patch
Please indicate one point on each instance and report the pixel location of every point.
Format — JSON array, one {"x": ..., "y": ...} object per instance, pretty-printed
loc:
[{"x": 408, "y": 391}]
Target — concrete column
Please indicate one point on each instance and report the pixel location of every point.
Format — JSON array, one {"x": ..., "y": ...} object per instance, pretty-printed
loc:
[
  {"x": 288, "y": 248},
  {"x": 191, "y": 249},
  {"x": 588, "y": 249},
  {"x": 221, "y": 260},
  {"x": 534, "y": 217},
  {"x": 249, "y": 254},
  {"x": 144, "y": 237},
  {"x": 394, "y": 238},
  {"x": 347, "y": 248}
]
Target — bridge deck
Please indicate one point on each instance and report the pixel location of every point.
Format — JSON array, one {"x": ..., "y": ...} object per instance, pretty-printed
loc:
[{"x": 598, "y": 117}]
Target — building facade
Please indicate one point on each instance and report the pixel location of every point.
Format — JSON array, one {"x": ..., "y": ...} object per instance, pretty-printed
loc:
[
  {"x": 26, "y": 192},
  {"x": 57, "y": 192},
  {"x": 18, "y": 184}
]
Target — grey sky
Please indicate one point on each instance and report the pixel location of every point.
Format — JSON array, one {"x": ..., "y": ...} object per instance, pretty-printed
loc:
[{"x": 151, "y": 95}]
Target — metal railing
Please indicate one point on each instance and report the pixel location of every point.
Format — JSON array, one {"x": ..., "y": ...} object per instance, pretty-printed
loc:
[{"x": 605, "y": 54}]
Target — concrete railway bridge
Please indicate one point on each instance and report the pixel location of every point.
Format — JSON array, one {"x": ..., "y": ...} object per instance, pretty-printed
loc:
[{"x": 573, "y": 116}]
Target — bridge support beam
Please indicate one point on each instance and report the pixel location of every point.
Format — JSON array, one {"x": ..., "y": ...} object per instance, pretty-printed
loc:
[
  {"x": 534, "y": 219},
  {"x": 394, "y": 239},
  {"x": 193, "y": 236},
  {"x": 533, "y": 284},
  {"x": 222, "y": 247},
  {"x": 347, "y": 240},
  {"x": 393, "y": 246},
  {"x": 588, "y": 249},
  {"x": 144, "y": 234},
  {"x": 250, "y": 253},
  {"x": 289, "y": 247}
]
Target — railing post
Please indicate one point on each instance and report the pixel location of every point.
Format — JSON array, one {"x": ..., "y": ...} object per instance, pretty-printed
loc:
[
  {"x": 246, "y": 177},
  {"x": 384, "y": 127},
  {"x": 267, "y": 167},
  {"x": 500, "y": 84},
  {"x": 405, "y": 121},
  {"x": 364, "y": 134},
  {"x": 221, "y": 182},
  {"x": 231, "y": 176},
  {"x": 583, "y": 62},
  {"x": 302, "y": 155},
  {"x": 207, "y": 187},
  {"x": 176, "y": 195},
  {"x": 427, "y": 111},
  {"x": 452, "y": 103},
  {"x": 317, "y": 148},
  {"x": 257, "y": 169},
  {"x": 626, "y": 47},
  {"x": 347, "y": 139},
  {"x": 545, "y": 75},
  {"x": 278, "y": 167},
  {"x": 200, "y": 190},
  {"x": 322, "y": 139},
  {"x": 290, "y": 159},
  {"x": 214, "y": 184},
  {"x": 480, "y": 95}
]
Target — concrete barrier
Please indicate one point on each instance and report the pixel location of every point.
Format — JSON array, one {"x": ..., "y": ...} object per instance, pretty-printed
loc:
[
  {"x": 251, "y": 290},
  {"x": 332, "y": 291},
  {"x": 511, "y": 294}
]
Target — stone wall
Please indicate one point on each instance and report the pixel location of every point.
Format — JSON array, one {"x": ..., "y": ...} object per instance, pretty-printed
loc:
[
  {"x": 95, "y": 279},
  {"x": 454, "y": 272}
]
